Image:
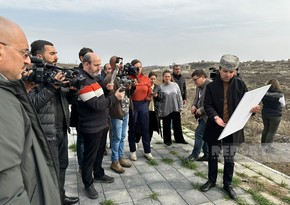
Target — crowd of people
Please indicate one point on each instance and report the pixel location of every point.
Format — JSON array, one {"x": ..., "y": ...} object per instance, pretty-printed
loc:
[{"x": 36, "y": 117}]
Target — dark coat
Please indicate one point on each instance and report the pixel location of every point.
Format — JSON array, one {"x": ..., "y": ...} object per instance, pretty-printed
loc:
[
  {"x": 27, "y": 172},
  {"x": 155, "y": 123},
  {"x": 43, "y": 97},
  {"x": 214, "y": 105},
  {"x": 179, "y": 79}
]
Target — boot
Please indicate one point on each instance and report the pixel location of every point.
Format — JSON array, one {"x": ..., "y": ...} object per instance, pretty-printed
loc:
[
  {"x": 115, "y": 166},
  {"x": 124, "y": 163}
]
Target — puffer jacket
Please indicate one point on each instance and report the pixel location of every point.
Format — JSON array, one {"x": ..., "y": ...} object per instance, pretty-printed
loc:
[
  {"x": 27, "y": 172},
  {"x": 43, "y": 97}
]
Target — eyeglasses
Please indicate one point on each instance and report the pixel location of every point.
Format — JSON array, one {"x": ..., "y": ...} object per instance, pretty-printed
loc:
[
  {"x": 24, "y": 52},
  {"x": 195, "y": 79}
]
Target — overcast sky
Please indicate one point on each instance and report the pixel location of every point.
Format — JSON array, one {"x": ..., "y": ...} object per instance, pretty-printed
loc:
[{"x": 158, "y": 32}]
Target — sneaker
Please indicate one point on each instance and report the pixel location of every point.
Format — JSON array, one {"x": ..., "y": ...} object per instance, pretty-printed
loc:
[
  {"x": 148, "y": 156},
  {"x": 91, "y": 192},
  {"x": 104, "y": 179},
  {"x": 191, "y": 158},
  {"x": 133, "y": 156},
  {"x": 124, "y": 163},
  {"x": 115, "y": 166}
]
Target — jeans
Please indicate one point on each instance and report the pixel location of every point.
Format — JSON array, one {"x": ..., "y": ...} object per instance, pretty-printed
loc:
[
  {"x": 119, "y": 128},
  {"x": 198, "y": 142},
  {"x": 80, "y": 148},
  {"x": 271, "y": 125}
]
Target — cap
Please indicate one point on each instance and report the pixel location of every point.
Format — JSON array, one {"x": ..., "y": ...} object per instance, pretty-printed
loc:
[{"x": 229, "y": 62}]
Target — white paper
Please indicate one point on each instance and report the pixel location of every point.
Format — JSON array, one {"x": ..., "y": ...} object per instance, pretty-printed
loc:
[{"x": 242, "y": 113}]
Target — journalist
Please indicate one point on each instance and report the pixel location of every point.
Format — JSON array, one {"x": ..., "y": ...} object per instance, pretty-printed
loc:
[{"x": 51, "y": 101}]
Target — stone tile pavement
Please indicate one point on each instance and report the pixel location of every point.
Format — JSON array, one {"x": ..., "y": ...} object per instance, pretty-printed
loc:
[{"x": 172, "y": 184}]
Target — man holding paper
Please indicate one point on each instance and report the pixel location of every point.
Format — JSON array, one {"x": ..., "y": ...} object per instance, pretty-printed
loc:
[{"x": 221, "y": 99}]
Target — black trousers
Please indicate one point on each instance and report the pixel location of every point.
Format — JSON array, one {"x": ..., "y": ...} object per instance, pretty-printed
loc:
[
  {"x": 59, "y": 149},
  {"x": 176, "y": 121},
  {"x": 229, "y": 151},
  {"x": 94, "y": 148}
]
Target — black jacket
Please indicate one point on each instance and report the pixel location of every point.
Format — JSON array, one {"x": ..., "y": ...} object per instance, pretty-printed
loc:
[
  {"x": 179, "y": 79},
  {"x": 214, "y": 105},
  {"x": 93, "y": 106},
  {"x": 43, "y": 97}
]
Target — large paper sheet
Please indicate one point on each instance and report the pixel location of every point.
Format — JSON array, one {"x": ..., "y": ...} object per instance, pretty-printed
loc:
[{"x": 242, "y": 113}]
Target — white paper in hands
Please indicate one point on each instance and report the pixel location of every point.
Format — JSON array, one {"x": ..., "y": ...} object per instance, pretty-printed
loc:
[{"x": 242, "y": 113}]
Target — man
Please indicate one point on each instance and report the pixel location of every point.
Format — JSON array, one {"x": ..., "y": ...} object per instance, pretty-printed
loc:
[
  {"x": 179, "y": 79},
  {"x": 222, "y": 96},
  {"x": 119, "y": 116},
  {"x": 74, "y": 117},
  {"x": 199, "y": 78},
  {"x": 51, "y": 102},
  {"x": 27, "y": 172},
  {"x": 93, "y": 122},
  {"x": 105, "y": 71}
]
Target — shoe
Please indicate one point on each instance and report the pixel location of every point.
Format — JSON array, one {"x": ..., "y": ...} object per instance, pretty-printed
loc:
[
  {"x": 115, "y": 166},
  {"x": 207, "y": 186},
  {"x": 124, "y": 162},
  {"x": 168, "y": 143},
  {"x": 104, "y": 179},
  {"x": 191, "y": 158},
  {"x": 133, "y": 156},
  {"x": 203, "y": 158},
  {"x": 148, "y": 156},
  {"x": 91, "y": 192},
  {"x": 230, "y": 191},
  {"x": 70, "y": 200},
  {"x": 182, "y": 142},
  {"x": 80, "y": 171}
]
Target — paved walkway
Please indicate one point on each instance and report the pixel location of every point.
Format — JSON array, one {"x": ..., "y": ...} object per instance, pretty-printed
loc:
[{"x": 170, "y": 183}]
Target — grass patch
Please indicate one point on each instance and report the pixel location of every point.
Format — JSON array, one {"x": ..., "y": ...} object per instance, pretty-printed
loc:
[
  {"x": 241, "y": 201},
  {"x": 236, "y": 181},
  {"x": 283, "y": 184},
  {"x": 108, "y": 202},
  {"x": 201, "y": 174},
  {"x": 220, "y": 171},
  {"x": 167, "y": 161},
  {"x": 158, "y": 142},
  {"x": 189, "y": 165},
  {"x": 152, "y": 162},
  {"x": 73, "y": 147},
  {"x": 173, "y": 152},
  {"x": 154, "y": 196},
  {"x": 247, "y": 166},
  {"x": 242, "y": 174},
  {"x": 195, "y": 185},
  {"x": 258, "y": 198},
  {"x": 286, "y": 199}
]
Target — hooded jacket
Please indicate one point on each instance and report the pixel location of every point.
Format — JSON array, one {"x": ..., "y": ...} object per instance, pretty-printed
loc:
[{"x": 27, "y": 171}]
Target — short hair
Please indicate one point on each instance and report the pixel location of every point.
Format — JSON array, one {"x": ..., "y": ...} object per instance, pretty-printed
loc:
[
  {"x": 38, "y": 46},
  {"x": 135, "y": 61},
  {"x": 87, "y": 58},
  {"x": 84, "y": 51},
  {"x": 151, "y": 74},
  {"x": 199, "y": 73},
  {"x": 106, "y": 65},
  {"x": 175, "y": 65}
]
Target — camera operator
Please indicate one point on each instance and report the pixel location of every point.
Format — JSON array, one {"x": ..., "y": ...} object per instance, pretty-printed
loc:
[
  {"x": 139, "y": 115},
  {"x": 119, "y": 116},
  {"x": 51, "y": 102}
]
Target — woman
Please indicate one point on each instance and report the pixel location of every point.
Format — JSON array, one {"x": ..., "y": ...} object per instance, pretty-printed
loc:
[
  {"x": 139, "y": 114},
  {"x": 154, "y": 113},
  {"x": 170, "y": 107},
  {"x": 273, "y": 101}
]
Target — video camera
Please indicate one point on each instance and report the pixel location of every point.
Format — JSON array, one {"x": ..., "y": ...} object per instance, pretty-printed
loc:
[
  {"x": 128, "y": 70},
  {"x": 45, "y": 72},
  {"x": 214, "y": 72}
]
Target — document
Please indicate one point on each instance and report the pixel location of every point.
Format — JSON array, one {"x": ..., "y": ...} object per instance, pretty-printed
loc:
[{"x": 242, "y": 113}]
